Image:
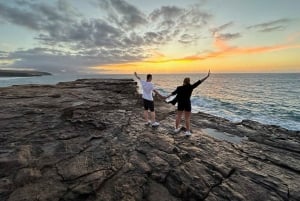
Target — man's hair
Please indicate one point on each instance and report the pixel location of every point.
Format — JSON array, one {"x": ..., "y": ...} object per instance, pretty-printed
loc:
[{"x": 149, "y": 76}]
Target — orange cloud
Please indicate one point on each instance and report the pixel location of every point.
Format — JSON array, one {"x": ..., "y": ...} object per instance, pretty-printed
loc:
[
  {"x": 293, "y": 37},
  {"x": 219, "y": 43},
  {"x": 223, "y": 49},
  {"x": 227, "y": 50}
]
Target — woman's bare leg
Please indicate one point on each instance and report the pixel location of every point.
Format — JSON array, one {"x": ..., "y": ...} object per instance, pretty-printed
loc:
[
  {"x": 178, "y": 118},
  {"x": 187, "y": 118}
]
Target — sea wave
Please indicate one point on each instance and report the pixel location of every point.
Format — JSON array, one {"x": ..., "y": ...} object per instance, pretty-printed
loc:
[{"x": 237, "y": 112}]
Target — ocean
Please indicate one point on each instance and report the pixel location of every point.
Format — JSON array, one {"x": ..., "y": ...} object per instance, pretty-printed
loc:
[{"x": 267, "y": 98}]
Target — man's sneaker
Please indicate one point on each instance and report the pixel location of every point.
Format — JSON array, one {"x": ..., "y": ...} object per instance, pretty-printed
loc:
[
  {"x": 177, "y": 130},
  {"x": 187, "y": 133},
  {"x": 155, "y": 124}
]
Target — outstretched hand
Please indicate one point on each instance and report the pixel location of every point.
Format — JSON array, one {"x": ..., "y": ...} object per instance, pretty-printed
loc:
[
  {"x": 208, "y": 74},
  {"x": 135, "y": 74}
]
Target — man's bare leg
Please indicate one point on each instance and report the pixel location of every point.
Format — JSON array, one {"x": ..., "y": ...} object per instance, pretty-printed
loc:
[
  {"x": 152, "y": 116},
  {"x": 146, "y": 116}
]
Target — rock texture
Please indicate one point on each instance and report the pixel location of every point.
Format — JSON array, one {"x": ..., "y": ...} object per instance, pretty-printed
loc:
[{"x": 86, "y": 140}]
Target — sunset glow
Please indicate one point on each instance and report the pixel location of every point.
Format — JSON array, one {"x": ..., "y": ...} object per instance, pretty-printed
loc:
[
  {"x": 121, "y": 36},
  {"x": 225, "y": 59}
]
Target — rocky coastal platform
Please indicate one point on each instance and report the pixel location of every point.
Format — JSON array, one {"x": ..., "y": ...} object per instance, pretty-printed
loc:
[{"x": 86, "y": 140}]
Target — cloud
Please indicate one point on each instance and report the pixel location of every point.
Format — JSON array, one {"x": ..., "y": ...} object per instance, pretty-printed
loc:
[
  {"x": 38, "y": 15},
  {"x": 270, "y": 26},
  {"x": 85, "y": 34},
  {"x": 50, "y": 60},
  {"x": 221, "y": 28},
  {"x": 229, "y": 36},
  {"x": 179, "y": 24},
  {"x": 3, "y": 54},
  {"x": 123, "y": 14},
  {"x": 224, "y": 49},
  {"x": 20, "y": 17},
  {"x": 60, "y": 24},
  {"x": 68, "y": 39},
  {"x": 228, "y": 52},
  {"x": 271, "y": 29},
  {"x": 224, "y": 36},
  {"x": 188, "y": 38},
  {"x": 166, "y": 13},
  {"x": 192, "y": 16}
]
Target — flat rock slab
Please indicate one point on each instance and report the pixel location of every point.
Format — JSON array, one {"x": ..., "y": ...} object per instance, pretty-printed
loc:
[{"x": 86, "y": 140}]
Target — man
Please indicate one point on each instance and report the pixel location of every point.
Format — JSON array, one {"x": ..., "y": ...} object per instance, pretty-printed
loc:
[{"x": 148, "y": 88}]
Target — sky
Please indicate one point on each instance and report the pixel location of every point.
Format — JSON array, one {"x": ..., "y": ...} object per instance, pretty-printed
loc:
[{"x": 157, "y": 36}]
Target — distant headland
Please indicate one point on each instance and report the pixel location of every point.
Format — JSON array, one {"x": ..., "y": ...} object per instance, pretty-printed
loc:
[{"x": 21, "y": 73}]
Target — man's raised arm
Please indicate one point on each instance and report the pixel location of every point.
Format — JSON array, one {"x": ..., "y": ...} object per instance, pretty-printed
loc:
[{"x": 135, "y": 74}]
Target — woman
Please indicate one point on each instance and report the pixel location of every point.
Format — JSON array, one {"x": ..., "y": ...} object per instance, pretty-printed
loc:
[{"x": 184, "y": 93}]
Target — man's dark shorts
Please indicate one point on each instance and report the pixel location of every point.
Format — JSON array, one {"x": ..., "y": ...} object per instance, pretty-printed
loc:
[{"x": 148, "y": 105}]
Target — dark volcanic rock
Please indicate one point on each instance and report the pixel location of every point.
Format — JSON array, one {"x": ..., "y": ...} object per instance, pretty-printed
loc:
[{"x": 86, "y": 140}]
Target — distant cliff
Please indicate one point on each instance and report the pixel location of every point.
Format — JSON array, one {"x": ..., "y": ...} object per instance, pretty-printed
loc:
[
  {"x": 23, "y": 73},
  {"x": 86, "y": 140}
]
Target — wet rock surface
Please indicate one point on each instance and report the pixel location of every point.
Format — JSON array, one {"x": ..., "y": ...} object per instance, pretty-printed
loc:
[{"x": 86, "y": 140}]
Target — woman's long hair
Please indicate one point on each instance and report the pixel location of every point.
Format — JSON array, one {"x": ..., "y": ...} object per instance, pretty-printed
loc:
[{"x": 186, "y": 81}]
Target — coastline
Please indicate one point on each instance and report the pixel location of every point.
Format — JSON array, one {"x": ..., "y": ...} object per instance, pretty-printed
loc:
[
  {"x": 214, "y": 102},
  {"x": 87, "y": 139}
]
